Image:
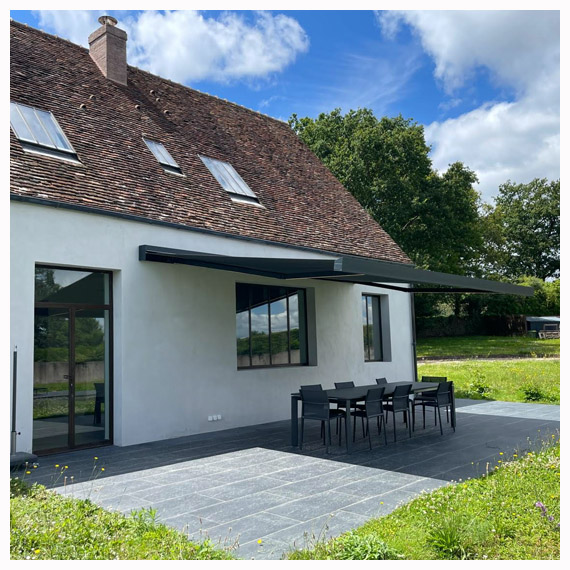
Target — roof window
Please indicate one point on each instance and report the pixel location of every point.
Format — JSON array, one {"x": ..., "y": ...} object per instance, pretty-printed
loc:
[
  {"x": 39, "y": 132},
  {"x": 163, "y": 156},
  {"x": 230, "y": 180}
]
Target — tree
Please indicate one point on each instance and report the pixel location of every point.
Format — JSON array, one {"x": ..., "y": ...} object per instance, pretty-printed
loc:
[
  {"x": 523, "y": 230},
  {"x": 385, "y": 164}
]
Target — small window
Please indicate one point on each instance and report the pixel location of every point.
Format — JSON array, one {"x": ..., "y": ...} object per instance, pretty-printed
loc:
[
  {"x": 38, "y": 131},
  {"x": 230, "y": 180},
  {"x": 271, "y": 326},
  {"x": 371, "y": 328},
  {"x": 163, "y": 156}
]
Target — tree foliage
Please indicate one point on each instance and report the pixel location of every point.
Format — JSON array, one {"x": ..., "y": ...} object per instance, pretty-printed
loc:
[
  {"x": 385, "y": 164},
  {"x": 523, "y": 230}
]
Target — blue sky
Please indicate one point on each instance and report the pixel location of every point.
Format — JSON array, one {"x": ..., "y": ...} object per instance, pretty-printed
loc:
[{"x": 485, "y": 85}]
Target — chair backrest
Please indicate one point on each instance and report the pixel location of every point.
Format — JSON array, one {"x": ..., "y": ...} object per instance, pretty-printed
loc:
[
  {"x": 434, "y": 379},
  {"x": 374, "y": 399},
  {"x": 344, "y": 384},
  {"x": 443, "y": 393},
  {"x": 401, "y": 397},
  {"x": 312, "y": 387},
  {"x": 381, "y": 381},
  {"x": 315, "y": 403}
]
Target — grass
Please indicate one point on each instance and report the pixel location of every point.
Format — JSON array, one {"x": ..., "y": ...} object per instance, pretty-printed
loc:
[
  {"x": 506, "y": 380},
  {"x": 486, "y": 347},
  {"x": 512, "y": 513},
  {"x": 47, "y": 526}
]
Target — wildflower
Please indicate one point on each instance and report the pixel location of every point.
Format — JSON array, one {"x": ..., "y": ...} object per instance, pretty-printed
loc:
[
  {"x": 102, "y": 469},
  {"x": 259, "y": 541},
  {"x": 57, "y": 464},
  {"x": 37, "y": 551},
  {"x": 28, "y": 472}
]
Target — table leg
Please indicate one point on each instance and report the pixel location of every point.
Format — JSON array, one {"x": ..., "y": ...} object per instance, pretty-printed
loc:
[
  {"x": 348, "y": 427},
  {"x": 294, "y": 421}
]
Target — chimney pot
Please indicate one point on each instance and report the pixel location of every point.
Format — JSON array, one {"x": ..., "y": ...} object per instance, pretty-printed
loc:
[{"x": 108, "y": 49}]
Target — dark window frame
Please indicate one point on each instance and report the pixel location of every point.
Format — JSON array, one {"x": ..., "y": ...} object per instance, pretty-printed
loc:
[
  {"x": 374, "y": 344},
  {"x": 267, "y": 301},
  {"x": 72, "y": 307}
]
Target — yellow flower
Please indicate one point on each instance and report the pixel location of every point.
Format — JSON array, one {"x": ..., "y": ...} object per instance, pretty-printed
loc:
[
  {"x": 28, "y": 472},
  {"x": 102, "y": 469},
  {"x": 57, "y": 464},
  {"x": 259, "y": 541},
  {"x": 37, "y": 551}
]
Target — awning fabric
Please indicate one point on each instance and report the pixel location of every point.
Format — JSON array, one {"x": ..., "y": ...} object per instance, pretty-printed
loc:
[{"x": 346, "y": 269}]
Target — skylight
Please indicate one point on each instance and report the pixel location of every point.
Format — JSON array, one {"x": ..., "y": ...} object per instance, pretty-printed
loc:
[
  {"x": 38, "y": 130},
  {"x": 230, "y": 180},
  {"x": 163, "y": 156}
]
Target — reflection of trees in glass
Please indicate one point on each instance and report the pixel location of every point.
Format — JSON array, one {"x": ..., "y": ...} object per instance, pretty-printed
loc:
[
  {"x": 51, "y": 329},
  {"x": 278, "y": 306},
  {"x": 45, "y": 283}
]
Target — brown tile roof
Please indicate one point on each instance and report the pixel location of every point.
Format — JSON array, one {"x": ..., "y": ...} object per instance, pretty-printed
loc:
[{"x": 105, "y": 122}]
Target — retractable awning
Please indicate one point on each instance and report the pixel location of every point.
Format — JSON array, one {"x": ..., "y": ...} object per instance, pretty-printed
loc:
[{"x": 346, "y": 269}]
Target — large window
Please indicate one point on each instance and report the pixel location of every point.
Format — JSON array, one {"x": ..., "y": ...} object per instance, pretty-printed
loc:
[
  {"x": 371, "y": 328},
  {"x": 271, "y": 326}
]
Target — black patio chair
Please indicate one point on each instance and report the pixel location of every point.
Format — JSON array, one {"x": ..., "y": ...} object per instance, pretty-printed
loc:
[
  {"x": 373, "y": 408},
  {"x": 400, "y": 402},
  {"x": 355, "y": 406},
  {"x": 315, "y": 406},
  {"x": 316, "y": 387},
  {"x": 436, "y": 399},
  {"x": 381, "y": 381}
]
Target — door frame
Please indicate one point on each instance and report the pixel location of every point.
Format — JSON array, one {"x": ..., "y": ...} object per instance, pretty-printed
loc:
[{"x": 72, "y": 308}]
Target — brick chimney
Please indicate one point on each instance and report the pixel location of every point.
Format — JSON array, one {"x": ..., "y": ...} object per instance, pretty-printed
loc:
[{"x": 108, "y": 49}]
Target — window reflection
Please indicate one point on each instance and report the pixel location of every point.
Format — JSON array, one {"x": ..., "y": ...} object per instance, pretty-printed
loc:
[
  {"x": 371, "y": 330},
  {"x": 70, "y": 286},
  {"x": 270, "y": 326}
]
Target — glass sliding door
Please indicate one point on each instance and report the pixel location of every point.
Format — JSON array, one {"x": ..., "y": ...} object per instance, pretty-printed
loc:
[
  {"x": 51, "y": 379},
  {"x": 72, "y": 359}
]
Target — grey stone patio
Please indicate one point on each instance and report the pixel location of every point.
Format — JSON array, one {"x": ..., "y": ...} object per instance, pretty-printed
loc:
[{"x": 248, "y": 489}]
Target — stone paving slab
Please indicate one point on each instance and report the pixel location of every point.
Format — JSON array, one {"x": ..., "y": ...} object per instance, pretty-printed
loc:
[{"x": 249, "y": 490}]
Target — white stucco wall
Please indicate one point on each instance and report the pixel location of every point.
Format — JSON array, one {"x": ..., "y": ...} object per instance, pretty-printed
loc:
[{"x": 174, "y": 326}]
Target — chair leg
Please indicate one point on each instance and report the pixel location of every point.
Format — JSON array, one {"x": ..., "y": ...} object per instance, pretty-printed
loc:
[
  {"x": 383, "y": 421},
  {"x": 328, "y": 432},
  {"x": 339, "y": 419},
  {"x": 301, "y": 434},
  {"x": 394, "y": 422},
  {"x": 439, "y": 415},
  {"x": 369, "y": 434},
  {"x": 409, "y": 422}
]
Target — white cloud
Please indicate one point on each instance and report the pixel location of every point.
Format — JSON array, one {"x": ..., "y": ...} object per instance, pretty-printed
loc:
[
  {"x": 519, "y": 139},
  {"x": 185, "y": 46}
]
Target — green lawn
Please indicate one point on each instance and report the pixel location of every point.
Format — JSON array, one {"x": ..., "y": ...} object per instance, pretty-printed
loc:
[
  {"x": 513, "y": 513},
  {"x": 47, "y": 526},
  {"x": 514, "y": 380},
  {"x": 486, "y": 346}
]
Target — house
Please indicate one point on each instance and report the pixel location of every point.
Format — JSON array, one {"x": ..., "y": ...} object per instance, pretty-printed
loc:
[{"x": 178, "y": 263}]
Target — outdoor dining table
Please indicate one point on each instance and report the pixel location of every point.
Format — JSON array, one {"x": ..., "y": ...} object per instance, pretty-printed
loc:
[{"x": 347, "y": 397}]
